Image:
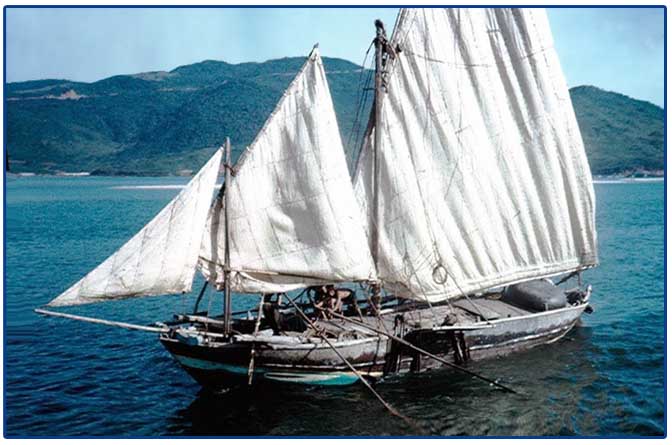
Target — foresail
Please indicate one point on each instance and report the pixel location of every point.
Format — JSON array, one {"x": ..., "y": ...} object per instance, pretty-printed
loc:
[
  {"x": 294, "y": 220},
  {"x": 483, "y": 177},
  {"x": 161, "y": 258}
]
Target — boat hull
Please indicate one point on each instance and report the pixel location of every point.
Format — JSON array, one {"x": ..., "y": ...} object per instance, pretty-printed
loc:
[
  {"x": 228, "y": 364},
  {"x": 312, "y": 364},
  {"x": 499, "y": 338}
]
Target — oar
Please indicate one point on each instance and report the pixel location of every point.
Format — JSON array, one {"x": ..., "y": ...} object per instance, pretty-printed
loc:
[
  {"x": 422, "y": 351},
  {"x": 387, "y": 406}
]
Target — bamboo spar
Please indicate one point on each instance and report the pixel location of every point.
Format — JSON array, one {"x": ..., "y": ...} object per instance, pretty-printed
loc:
[
  {"x": 116, "y": 324},
  {"x": 387, "y": 406},
  {"x": 378, "y": 106},
  {"x": 121, "y": 324},
  {"x": 422, "y": 351},
  {"x": 227, "y": 257}
]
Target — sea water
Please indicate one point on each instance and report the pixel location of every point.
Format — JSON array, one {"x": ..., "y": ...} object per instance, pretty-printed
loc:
[{"x": 64, "y": 377}]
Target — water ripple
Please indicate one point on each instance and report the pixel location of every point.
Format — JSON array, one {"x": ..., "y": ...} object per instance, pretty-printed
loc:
[{"x": 66, "y": 378}]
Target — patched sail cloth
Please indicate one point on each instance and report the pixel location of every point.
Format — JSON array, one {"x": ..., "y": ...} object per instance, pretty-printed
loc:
[
  {"x": 483, "y": 178},
  {"x": 161, "y": 258},
  {"x": 294, "y": 219}
]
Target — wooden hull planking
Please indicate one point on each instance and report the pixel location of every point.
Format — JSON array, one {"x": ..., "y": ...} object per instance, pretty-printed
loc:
[{"x": 220, "y": 365}]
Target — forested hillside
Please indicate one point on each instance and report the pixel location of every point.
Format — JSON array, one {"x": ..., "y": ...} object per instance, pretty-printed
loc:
[{"x": 162, "y": 123}]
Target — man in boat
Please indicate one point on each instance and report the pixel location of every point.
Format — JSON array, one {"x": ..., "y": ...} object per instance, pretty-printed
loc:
[
  {"x": 278, "y": 320},
  {"x": 328, "y": 298}
]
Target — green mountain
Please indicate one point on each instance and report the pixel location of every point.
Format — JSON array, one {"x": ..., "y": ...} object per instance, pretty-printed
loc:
[
  {"x": 166, "y": 122},
  {"x": 622, "y": 135},
  {"x": 158, "y": 122}
]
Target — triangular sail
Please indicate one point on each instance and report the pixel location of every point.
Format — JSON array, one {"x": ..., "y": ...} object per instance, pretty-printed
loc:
[
  {"x": 483, "y": 177},
  {"x": 294, "y": 219},
  {"x": 161, "y": 258}
]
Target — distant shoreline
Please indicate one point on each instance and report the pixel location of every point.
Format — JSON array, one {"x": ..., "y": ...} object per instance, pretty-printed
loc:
[
  {"x": 630, "y": 174},
  {"x": 627, "y": 180},
  {"x": 597, "y": 179}
]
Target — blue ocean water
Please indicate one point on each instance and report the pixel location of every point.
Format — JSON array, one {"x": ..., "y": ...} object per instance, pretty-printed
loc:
[{"x": 67, "y": 378}]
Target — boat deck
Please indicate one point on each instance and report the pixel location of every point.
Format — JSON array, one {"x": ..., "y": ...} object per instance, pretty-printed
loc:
[
  {"x": 413, "y": 316},
  {"x": 464, "y": 312},
  {"x": 490, "y": 309}
]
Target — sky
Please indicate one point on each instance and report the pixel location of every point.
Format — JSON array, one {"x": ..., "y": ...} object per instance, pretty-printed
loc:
[{"x": 615, "y": 49}]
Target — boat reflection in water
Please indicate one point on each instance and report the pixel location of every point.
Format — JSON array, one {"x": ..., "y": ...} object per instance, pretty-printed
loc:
[{"x": 557, "y": 400}]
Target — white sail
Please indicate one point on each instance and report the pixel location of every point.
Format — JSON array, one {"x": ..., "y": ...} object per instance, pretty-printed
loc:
[
  {"x": 483, "y": 177},
  {"x": 161, "y": 258},
  {"x": 294, "y": 219}
]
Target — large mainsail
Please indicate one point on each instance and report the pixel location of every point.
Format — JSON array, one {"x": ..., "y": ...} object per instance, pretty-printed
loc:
[
  {"x": 294, "y": 219},
  {"x": 483, "y": 178},
  {"x": 161, "y": 258}
]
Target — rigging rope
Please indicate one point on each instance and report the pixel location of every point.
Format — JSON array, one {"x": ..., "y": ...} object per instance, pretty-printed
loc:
[{"x": 361, "y": 103}]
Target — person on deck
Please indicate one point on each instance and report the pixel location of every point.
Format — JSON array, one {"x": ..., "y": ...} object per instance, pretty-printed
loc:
[{"x": 328, "y": 298}]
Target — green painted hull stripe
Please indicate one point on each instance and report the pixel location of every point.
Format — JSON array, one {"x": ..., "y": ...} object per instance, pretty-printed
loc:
[{"x": 308, "y": 378}]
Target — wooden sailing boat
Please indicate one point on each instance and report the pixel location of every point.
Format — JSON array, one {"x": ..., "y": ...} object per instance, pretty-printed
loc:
[{"x": 471, "y": 190}]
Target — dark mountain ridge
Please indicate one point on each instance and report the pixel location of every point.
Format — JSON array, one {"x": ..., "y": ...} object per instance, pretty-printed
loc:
[
  {"x": 165, "y": 122},
  {"x": 622, "y": 135}
]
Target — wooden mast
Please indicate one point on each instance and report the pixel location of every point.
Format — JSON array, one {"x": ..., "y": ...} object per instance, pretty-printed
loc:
[
  {"x": 378, "y": 103},
  {"x": 379, "y": 42},
  {"x": 227, "y": 257}
]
